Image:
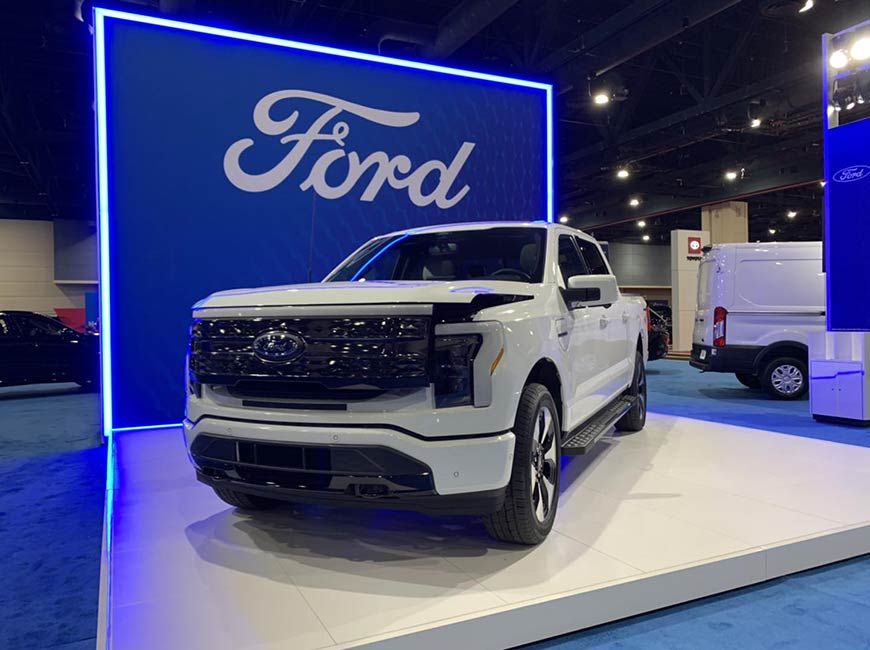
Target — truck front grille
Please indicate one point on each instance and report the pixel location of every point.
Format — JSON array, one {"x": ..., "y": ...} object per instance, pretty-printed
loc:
[{"x": 376, "y": 351}]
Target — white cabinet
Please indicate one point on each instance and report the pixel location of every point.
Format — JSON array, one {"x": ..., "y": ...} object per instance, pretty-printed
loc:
[{"x": 839, "y": 382}]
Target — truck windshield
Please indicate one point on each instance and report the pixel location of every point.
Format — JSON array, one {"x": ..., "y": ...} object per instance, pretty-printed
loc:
[{"x": 513, "y": 254}]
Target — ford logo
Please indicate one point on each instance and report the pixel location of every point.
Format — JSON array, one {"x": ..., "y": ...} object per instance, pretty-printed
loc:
[
  {"x": 852, "y": 174},
  {"x": 278, "y": 346}
]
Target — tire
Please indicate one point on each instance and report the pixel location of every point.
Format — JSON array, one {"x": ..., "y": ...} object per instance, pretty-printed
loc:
[
  {"x": 635, "y": 419},
  {"x": 750, "y": 381},
  {"x": 532, "y": 496},
  {"x": 785, "y": 378},
  {"x": 244, "y": 501}
]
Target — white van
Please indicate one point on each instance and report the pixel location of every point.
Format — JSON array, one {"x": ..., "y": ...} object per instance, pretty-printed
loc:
[{"x": 757, "y": 304}]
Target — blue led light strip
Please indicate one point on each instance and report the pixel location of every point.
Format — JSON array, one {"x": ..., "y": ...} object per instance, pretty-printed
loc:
[{"x": 100, "y": 14}]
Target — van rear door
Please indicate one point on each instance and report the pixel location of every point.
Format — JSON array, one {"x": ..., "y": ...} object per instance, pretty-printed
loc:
[{"x": 702, "y": 334}]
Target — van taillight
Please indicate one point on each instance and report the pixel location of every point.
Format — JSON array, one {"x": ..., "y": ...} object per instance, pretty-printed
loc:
[
  {"x": 648, "y": 319},
  {"x": 720, "y": 314}
]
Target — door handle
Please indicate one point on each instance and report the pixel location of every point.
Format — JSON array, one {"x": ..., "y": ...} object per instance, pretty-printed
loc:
[
  {"x": 624, "y": 318},
  {"x": 602, "y": 322}
]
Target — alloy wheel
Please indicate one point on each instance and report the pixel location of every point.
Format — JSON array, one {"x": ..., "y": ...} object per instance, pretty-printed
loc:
[{"x": 544, "y": 464}]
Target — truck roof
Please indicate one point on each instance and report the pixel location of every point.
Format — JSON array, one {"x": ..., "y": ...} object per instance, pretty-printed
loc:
[{"x": 479, "y": 225}]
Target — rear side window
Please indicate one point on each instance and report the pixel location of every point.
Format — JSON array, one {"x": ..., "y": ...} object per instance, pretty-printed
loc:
[
  {"x": 40, "y": 326},
  {"x": 592, "y": 256},
  {"x": 570, "y": 262},
  {"x": 704, "y": 282}
]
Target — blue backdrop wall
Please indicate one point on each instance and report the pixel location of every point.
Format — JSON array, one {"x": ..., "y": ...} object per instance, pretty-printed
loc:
[{"x": 229, "y": 162}]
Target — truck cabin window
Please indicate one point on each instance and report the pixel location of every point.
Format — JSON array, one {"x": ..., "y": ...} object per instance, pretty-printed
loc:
[{"x": 512, "y": 254}]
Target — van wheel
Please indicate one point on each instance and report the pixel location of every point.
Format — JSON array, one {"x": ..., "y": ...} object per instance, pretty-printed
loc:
[
  {"x": 244, "y": 501},
  {"x": 750, "y": 381},
  {"x": 785, "y": 378},
  {"x": 532, "y": 495}
]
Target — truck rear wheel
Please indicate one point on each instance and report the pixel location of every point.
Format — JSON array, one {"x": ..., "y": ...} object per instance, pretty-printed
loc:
[
  {"x": 635, "y": 419},
  {"x": 244, "y": 501},
  {"x": 785, "y": 378},
  {"x": 532, "y": 495}
]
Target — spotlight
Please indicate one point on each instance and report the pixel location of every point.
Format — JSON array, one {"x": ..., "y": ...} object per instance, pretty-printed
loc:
[
  {"x": 755, "y": 123},
  {"x": 730, "y": 175},
  {"x": 839, "y": 59},
  {"x": 646, "y": 237},
  {"x": 641, "y": 224},
  {"x": 791, "y": 214},
  {"x": 772, "y": 231},
  {"x": 601, "y": 99},
  {"x": 861, "y": 49},
  {"x": 563, "y": 218},
  {"x": 622, "y": 173},
  {"x": 822, "y": 183},
  {"x": 809, "y": 4},
  {"x": 634, "y": 202}
]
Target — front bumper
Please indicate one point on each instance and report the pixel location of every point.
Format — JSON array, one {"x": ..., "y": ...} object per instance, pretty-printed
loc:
[{"x": 352, "y": 465}]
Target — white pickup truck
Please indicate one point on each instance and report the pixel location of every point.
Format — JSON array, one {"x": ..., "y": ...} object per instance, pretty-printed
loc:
[{"x": 441, "y": 369}]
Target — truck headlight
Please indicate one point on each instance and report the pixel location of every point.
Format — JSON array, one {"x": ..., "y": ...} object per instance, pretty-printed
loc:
[{"x": 453, "y": 374}]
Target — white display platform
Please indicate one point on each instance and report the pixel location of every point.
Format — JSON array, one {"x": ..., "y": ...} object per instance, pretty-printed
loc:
[{"x": 681, "y": 510}]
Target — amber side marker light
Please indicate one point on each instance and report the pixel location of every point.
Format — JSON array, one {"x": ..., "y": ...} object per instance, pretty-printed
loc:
[{"x": 496, "y": 362}]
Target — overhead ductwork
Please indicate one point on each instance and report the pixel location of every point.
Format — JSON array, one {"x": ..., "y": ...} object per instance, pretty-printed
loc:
[
  {"x": 636, "y": 29},
  {"x": 457, "y": 28}
]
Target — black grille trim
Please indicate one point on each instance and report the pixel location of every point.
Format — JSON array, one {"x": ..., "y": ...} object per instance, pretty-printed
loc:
[{"x": 384, "y": 352}]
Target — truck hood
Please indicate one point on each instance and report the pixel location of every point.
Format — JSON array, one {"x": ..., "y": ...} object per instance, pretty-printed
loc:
[{"x": 365, "y": 293}]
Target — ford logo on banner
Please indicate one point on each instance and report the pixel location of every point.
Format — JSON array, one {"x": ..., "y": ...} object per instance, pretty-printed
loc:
[{"x": 852, "y": 174}]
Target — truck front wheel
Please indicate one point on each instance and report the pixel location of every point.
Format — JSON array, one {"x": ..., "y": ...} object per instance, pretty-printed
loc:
[{"x": 532, "y": 495}]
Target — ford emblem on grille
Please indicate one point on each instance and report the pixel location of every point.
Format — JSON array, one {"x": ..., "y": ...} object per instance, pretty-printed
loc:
[{"x": 278, "y": 346}]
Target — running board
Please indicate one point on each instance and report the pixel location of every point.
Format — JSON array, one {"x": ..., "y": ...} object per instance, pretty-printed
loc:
[{"x": 582, "y": 438}]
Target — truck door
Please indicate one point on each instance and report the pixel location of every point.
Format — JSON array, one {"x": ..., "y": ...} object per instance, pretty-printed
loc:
[
  {"x": 583, "y": 342},
  {"x": 617, "y": 363}
]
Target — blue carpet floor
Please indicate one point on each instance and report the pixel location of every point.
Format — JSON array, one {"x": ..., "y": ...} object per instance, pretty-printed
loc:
[
  {"x": 52, "y": 483},
  {"x": 827, "y": 608},
  {"x": 676, "y": 388}
]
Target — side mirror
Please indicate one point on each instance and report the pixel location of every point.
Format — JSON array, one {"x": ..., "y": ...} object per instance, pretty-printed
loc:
[{"x": 591, "y": 290}]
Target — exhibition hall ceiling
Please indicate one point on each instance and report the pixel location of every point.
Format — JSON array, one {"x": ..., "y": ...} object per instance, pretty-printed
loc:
[{"x": 657, "y": 100}]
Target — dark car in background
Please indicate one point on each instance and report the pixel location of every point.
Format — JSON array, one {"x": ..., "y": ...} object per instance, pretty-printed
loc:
[
  {"x": 659, "y": 332},
  {"x": 36, "y": 349}
]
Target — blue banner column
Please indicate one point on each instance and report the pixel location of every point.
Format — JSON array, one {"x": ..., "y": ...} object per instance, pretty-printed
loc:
[{"x": 840, "y": 357}]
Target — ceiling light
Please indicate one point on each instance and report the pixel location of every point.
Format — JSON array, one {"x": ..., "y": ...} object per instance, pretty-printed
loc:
[
  {"x": 791, "y": 214},
  {"x": 839, "y": 59},
  {"x": 809, "y": 4},
  {"x": 601, "y": 99},
  {"x": 850, "y": 103},
  {"x": 822, "y": 183},
  {"x": 646, "y": 237},
  {"x": 563, "y": 218},
  {"x": 755, "y": 123},
  {"x": 730, "y": 175},
  {"x": 634, "y": 202},
  {"x": 772, "y": 231},
  {"x": 861, "y": 49},
  {"x": 641, "y": 224},
  {"x": 622, "y": 173}
]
